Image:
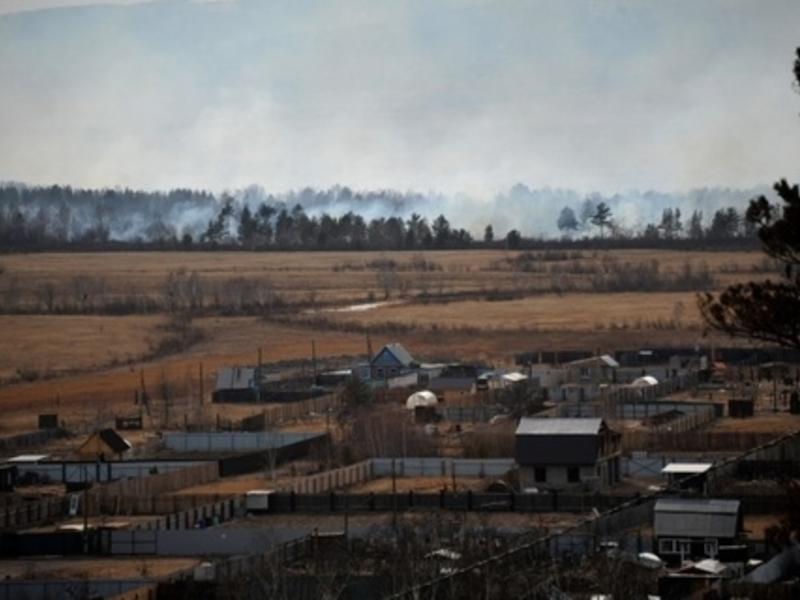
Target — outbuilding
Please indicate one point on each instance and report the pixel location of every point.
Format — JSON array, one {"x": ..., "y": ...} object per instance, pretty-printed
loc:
[
  {"x": 103, "y": 444},
  {"x": 237, "y": 384}
]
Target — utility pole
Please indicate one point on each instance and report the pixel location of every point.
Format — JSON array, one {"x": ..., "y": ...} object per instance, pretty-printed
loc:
[
  {"x": 314, "y": 359},
  {"x": 202, "y": 394}
]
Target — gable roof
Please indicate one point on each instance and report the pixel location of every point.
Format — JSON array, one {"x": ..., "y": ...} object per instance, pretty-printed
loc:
[
  {"x": 398, "y": 351},
  {"x": 696, "y": 517},
  {"x": 604, "y": 360},
  {"x": 236, "y": 378},
  {"x": 561, "y": 426},
  {"x": 115, "y": 441}
]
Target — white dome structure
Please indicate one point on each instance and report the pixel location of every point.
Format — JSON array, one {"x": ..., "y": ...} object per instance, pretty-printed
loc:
[
  {"x": 645, "y": 382},
  {"x": 423, "y": 398}
]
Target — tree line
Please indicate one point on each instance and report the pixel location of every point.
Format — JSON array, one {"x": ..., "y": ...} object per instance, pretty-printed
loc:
[
  {"x": 59, "y": 217},
  {"x": 726, "y": 223}
]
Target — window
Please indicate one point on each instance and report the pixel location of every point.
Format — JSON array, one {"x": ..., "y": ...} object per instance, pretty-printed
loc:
[
  {"x": 540, "y": 475},
  {"x": 573, "y": 475},
  {"x": 673, "y": 546},
  {"x": 711, "y": 547}
]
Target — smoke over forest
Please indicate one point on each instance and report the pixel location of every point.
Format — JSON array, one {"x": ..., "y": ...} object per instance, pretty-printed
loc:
[{"x": 64, "y": 214}]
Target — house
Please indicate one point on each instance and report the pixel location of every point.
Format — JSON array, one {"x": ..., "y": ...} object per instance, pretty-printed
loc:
[
  {"x": 595, "y": 369},
  {"x": 103, "y": 444},
  {"x": 558, "y": 453},
  {"x": 698, "y": 528},
  {"x": 237, "y": 384},
  {"x": 390, "y": 361}
]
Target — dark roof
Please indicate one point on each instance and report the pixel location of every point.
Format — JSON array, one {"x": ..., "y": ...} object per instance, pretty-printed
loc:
[
  {"x": 451, "y": 383},
  {"x": 542, "y": 442},
  {"x": 696, "y": 517},
  {"x": 563, "y": 426},
  {"x": 115, "y": 441},
  {"x": 236, "y": 378},
  {"x": 402, "y": 355}
]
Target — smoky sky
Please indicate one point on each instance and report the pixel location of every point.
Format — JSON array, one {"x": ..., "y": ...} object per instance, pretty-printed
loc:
[{"x": 461, "y": 97}]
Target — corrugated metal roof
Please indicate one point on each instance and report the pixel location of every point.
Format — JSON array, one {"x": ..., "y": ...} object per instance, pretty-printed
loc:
[
  {"x": 698, "y": 505},
  {"x": 565, "y": 426},
  {"x": 236, "y": 378},
  {"x": 676, "y": 517},
  {"x": 400, "y": 353},
  {"x": 603, "y": 360}
]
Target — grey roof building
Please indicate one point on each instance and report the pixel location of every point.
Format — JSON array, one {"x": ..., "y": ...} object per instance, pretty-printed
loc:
[
  {"x": 698, "y": 528},
  {"x": 696, "y": 517},
  {"x": 236, "y": 384},
  {"x": 561, "y": 452}
]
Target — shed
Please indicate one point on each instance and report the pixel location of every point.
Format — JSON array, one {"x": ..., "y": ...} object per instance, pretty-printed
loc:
[
  {"x": 236, "y": 384},
  {"x": 687, "y": 475},
  {"x": 106, "y": 442}
]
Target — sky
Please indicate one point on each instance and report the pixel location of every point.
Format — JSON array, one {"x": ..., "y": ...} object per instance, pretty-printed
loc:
[{"x": 461, "y": 96}]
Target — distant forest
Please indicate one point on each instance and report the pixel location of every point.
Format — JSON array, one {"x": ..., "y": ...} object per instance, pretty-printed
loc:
[{"x": 63, "y": 218}]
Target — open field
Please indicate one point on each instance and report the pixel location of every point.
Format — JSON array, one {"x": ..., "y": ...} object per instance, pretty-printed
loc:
[
  {"x": 551, "y": 312},
  {"x": 314, "y": 277},
  {"x": 39, "y": 345}
]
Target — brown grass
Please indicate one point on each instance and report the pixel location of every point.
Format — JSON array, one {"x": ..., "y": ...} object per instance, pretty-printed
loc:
[
  {"x": 295, "y": 274},
  {"x": 41, "y": 345},
  {"x": 550, "y": 312}
]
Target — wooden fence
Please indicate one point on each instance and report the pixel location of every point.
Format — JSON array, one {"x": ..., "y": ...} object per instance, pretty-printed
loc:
[
  {"x": 685, "y": 423},
  {"x": 355, "y": 474},
  {"x": 31, "y": 514},
  {"x": 694, "y": 441},
  {"x": 275, "y": 415},
  {"x": 445, "y": 500},
  {"x": 139, "y": 495}
]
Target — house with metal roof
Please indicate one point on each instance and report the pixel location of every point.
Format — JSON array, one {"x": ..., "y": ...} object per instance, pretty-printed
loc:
[
  {"x": 567, "y": 452},
  {"x": 698, "y": 528},
  {"x": 595, "y": 370},
  {"x": 390, "y": 361},
  {"x": 236, "y": 384}
]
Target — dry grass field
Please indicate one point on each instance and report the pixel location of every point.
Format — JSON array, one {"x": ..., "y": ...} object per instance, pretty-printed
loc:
[
  {"x": 84, "y": 349},
  {"x": 42, "y": 345},
  {"x": 336, "y": 276},
  {"x": 547, "y": 312}
]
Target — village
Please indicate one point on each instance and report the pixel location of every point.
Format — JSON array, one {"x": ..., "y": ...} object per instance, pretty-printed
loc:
[{"x": 667, "y": 466}]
